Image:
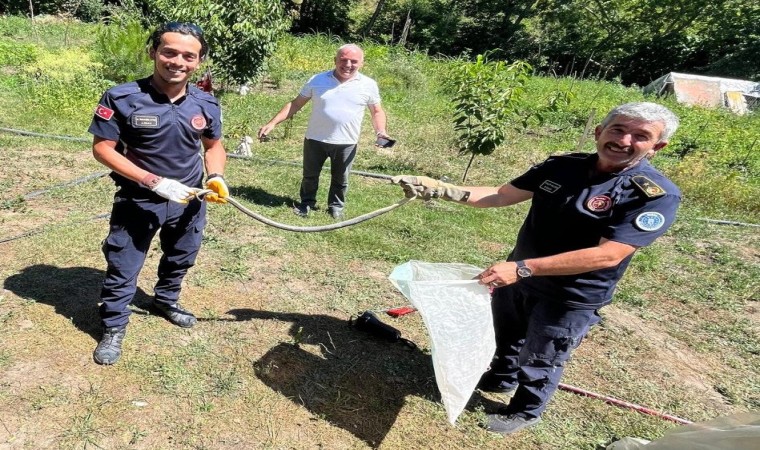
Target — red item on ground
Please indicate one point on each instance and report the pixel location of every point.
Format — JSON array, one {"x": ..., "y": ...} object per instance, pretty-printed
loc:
[{"x": 400, "y": 311}]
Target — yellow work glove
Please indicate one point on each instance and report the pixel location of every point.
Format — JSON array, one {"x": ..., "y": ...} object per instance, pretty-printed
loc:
[
  {"x": 429, "y": 188},
  {"x": 216, "y": 183}
]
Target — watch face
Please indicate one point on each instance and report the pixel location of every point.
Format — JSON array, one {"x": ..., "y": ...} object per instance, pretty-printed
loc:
[{"x": 524, "y": 272}]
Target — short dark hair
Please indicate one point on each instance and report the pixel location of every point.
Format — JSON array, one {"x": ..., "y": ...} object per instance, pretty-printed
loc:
[{"x": 187, "y": 28}]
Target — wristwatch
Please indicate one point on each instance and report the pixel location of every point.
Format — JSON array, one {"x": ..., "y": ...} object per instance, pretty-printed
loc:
[{"x": 523, "y": 271}]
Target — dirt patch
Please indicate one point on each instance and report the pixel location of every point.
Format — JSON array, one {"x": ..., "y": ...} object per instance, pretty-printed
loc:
[{"x": 663, "y": 351}]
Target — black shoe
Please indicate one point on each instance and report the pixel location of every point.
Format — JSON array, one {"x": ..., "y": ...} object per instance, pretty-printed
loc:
[
  {"x": 301, "y": 210},
  {"x": 508, "y": 424},
  {"x": 108, "y": 350},
  {"x": 336, "y": 214},
  {"x": 176, "y": 314}
]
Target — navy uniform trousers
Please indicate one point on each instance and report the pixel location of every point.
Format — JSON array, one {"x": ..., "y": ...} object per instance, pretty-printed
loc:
[
  {"x": 534, "y": 338},
  {"x": 135, "y": 220}
]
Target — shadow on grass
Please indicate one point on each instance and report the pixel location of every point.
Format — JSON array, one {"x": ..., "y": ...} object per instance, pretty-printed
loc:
[
  {"x": 74, "y": 292},
  {"x": 356, "y": 382},
  {"x": 261, "y": 197}
]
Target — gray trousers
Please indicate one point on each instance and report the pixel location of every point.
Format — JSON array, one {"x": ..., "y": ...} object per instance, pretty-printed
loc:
[{"x": 341, "y": 159}]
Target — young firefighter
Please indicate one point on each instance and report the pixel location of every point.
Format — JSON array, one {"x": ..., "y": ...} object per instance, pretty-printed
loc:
[{"x": 149, "y": 133}]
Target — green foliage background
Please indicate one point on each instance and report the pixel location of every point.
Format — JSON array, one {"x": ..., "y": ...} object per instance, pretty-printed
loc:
[
  {"x": 241, "y": 33},
  {"x": 696, "y": 288}
]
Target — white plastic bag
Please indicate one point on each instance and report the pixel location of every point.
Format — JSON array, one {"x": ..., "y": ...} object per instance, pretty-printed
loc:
[{"x": 457, "y": 313}]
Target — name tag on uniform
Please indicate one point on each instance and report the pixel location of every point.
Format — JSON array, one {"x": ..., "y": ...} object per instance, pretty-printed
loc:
[
  {"x": 549, "y": 186},
  {"x": 143, "y": 121}
]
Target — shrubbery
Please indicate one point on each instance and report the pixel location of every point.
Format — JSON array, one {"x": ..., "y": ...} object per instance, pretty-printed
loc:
[{"x": 241, "y": 33}]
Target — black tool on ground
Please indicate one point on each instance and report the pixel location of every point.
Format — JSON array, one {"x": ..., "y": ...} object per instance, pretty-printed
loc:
[
  {"x": 385, "y": 143},
  {"x": 369, "y": 323}
]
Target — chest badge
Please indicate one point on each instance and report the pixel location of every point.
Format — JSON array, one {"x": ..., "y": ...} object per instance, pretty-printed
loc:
[
  {"x": 198, "y": 122},
  {"x": 599, "y": 203},
  {"x": 549, "y": 186},
  {"x": 650, "y": 221},
  {"x": 145, "y": 121}
]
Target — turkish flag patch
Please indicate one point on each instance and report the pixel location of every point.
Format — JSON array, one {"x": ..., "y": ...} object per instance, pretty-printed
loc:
[{"x": 103, "y": 112}]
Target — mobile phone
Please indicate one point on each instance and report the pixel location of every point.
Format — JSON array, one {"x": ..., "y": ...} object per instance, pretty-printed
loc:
[{"x": 385, "y": 143}]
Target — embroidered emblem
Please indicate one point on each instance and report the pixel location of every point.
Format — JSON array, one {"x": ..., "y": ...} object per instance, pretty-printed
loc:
[
  {"x": 647, "y": 186},
  {"x": 198, "y": 122},
  {"x": 599, "y": 203},
  {"x": 103, "y": 112},
  {"x": 650, "y": 221},
  {"x": 549, "y": 186},
  {"x": 143, "y": 121}
]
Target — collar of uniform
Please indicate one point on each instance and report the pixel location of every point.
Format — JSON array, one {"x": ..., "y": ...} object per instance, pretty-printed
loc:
[
  {"x": 643, "y": 163},
  {"x": 146, "y": 85}
]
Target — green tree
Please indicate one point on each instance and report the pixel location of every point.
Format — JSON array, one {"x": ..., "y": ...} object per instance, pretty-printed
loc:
[
  {"x": 638, "y": 40},
  {"x": 241, "y": 33},
  {"x": 486, "y": 101},
  {"x": 324, "y": 16}
]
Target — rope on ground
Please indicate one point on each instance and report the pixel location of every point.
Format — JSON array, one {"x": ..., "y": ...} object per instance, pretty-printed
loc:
[
  {"x": 233, "y": 202},
  {"x": 51, "y": 136},
  {"x": 81, "y": 180},
  {"x": 728, "y": 222},
  {"x": 229, "y": 155},
  {"x": 44, "y": 229}
]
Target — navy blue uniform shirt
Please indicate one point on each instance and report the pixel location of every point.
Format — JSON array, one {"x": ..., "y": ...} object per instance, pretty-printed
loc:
[
  {"x": 573, "y": 207},
  {"x": 155, "y": 134}
]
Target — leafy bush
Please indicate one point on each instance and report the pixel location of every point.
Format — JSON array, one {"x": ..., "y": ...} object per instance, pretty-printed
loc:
[
  {"x": 17, "y": 54},
  {"x": 299, "y": 58},
  {"x": 121, "y": 50},
  {"x": 67, "y": 82},
  {"x": 241, "y": 33}
]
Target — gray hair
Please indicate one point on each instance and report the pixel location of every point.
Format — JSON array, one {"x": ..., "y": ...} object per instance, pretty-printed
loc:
[
  {"x": 350, "y": 47},
  {"x": 646, "y": 111}
]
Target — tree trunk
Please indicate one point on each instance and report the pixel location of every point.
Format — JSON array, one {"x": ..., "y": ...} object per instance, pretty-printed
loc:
[
  {"x": 467, "y": 169},
  {"x": 375, "y": 15},
  {"x": 405, "y": 32}
]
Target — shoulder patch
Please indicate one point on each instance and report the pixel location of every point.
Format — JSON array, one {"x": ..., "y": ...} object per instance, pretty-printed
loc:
[
  {"x": 650, "y": 221},
  {"x": 647, "y": 186},
  {"x": 104, "y": 112}
]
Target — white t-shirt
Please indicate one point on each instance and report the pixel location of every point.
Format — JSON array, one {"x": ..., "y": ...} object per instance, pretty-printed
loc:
[{"x": 338, "y": 108}]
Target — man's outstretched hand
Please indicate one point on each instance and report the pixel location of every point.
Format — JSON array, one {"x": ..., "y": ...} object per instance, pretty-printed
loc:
[{"x": 428, "y": 188}]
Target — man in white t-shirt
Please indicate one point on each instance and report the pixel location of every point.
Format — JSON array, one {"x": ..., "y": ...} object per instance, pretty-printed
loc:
[{"x": 339, "y": 97}]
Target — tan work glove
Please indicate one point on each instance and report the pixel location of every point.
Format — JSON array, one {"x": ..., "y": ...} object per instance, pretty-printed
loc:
[
  {"x": 429, "y": 188},
  {"x": 216, "y": 183}
]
